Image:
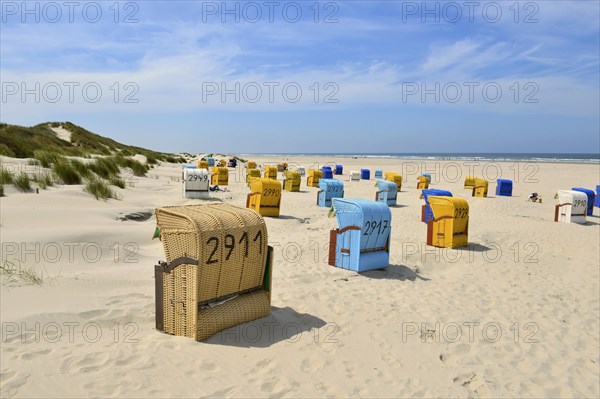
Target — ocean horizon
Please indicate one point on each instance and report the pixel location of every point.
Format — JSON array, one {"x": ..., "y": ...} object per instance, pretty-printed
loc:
[{"x": 525, "y": 157}]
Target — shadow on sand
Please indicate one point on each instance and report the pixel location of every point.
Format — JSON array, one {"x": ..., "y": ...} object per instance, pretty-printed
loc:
[{"x": 283, "y": 324}]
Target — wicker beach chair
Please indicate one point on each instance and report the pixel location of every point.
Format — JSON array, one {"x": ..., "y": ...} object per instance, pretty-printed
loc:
[{"x": 217, "y": 272}]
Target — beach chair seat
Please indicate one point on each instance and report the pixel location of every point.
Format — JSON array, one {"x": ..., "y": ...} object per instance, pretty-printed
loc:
[
  {"x": 292, "y": 181},
  {"x": 365, "y": 174},
  {"x": 387, "y": 192},
  {"x": 422, "y": 183},
  {"x": 426, "y": 212},
  {"x": 252, "y": 174},
  {"x": 591, "y": 196},
  {"x": 504, "y": 187},
  {"x": 220, "y": 176},
  {"x": 327, "y": 172},
  {"x": 361, "y": 241},
  {"x": 395, "y": 177},
  {"x": 264, "y": 197},
  {"x": 314, "y": 176},
  {"x": 217, "y": 272},
  {"x": 282, "y": 167},
  {"x": 202, "y": 164},
  {"x": 449, "y": 227},
  {"x": 196, "y": 183},
  {"x": 572, "y": 207},
  {"x": 271, "y": 172},
  {"x": 339, "y": 170},
  {"x": 328, "y": 190},
  {"x": 480, "y": 188},
  {"x": 470, "y": 182}
]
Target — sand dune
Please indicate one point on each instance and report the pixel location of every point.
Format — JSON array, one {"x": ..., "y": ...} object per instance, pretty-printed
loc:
[{"x": 516, "y": 314}]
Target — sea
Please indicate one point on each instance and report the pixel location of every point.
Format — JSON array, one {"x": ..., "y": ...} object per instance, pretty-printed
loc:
[{"x": 593, "y": 158}]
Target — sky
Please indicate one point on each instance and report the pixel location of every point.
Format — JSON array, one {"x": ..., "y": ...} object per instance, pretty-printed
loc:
[{"x": 306, "y": 76}]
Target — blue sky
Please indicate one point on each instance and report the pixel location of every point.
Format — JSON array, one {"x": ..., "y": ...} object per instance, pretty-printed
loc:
[{"x": 359, "y": 76}]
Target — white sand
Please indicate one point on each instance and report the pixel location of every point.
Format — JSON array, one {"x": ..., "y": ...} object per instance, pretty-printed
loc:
[
  {"x": 62, "y": 133},
  {"x": 538, "y": 283}
]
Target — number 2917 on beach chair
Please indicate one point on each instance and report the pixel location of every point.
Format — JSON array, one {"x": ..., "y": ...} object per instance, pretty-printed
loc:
[{"x": 362, "y": 240}]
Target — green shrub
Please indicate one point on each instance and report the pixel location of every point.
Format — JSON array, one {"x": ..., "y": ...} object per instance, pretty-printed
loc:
[
  {"x": 105, "y": 167},
  {"x": 66, "y": 172},
  {"x": 21, "y": 182},
  {"x": 81, "y": 168},
  {"x": 99, "y": 189},
  {"x": 47, "y": 158},
  {"x": 6, "y": 177},
  {"x": 6, "y": 151},
  {"x": 117, "y": 181}
]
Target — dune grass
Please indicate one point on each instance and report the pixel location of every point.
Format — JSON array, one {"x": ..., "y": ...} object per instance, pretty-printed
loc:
[
  {"x": 6, "y": 177},
  {"x": 99, "y": 189},
  {"x": 66, "y": 172},
  {"x": 105, "y": 167},
  {"x": 117, "y": 181},
  {"x": 81, "y": 168},
  {"x": 47, "y": 158},
  {"x": 1, "y": 190},
  {"x": 21, "y": 182},
  {"x": 138, "y": 168},
  {"x": 17, "y": 273},
  {"x": 44, "y": 180}
]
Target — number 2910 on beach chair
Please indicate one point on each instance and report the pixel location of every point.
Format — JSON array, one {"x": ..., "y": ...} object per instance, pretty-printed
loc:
[{"x": 362, "y": 240}]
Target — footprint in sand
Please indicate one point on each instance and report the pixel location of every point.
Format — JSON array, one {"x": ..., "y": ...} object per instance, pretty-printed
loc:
[
  {"x": 33, "y": 354},
  {"x": 312, "y": 364}
]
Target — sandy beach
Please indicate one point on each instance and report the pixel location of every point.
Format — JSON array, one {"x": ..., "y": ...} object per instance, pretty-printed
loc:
[{"x": 514, "y": 314}]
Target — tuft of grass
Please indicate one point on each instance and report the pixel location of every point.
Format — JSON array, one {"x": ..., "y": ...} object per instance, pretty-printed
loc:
[
  {"x": 44, "y": 180},
  {"x": 6, "y": 177},
  {"x": 34, "y": 162},
  {"x": 17, "y": 273},
  {"x": 22, "y": 183},
  {"x": 117, "y": 181},
  {"x": 81, "y": 168},
  {"x": 139, "y": 169},
  {"x": 47, "y": 158},
  {"x": 99, "y": 189},
  {"x": 1, "y": 190},
  {"x": 66, "y": 172},
  {"x": 105, "y": 167},
  {"x": 152, "y": 159}
]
